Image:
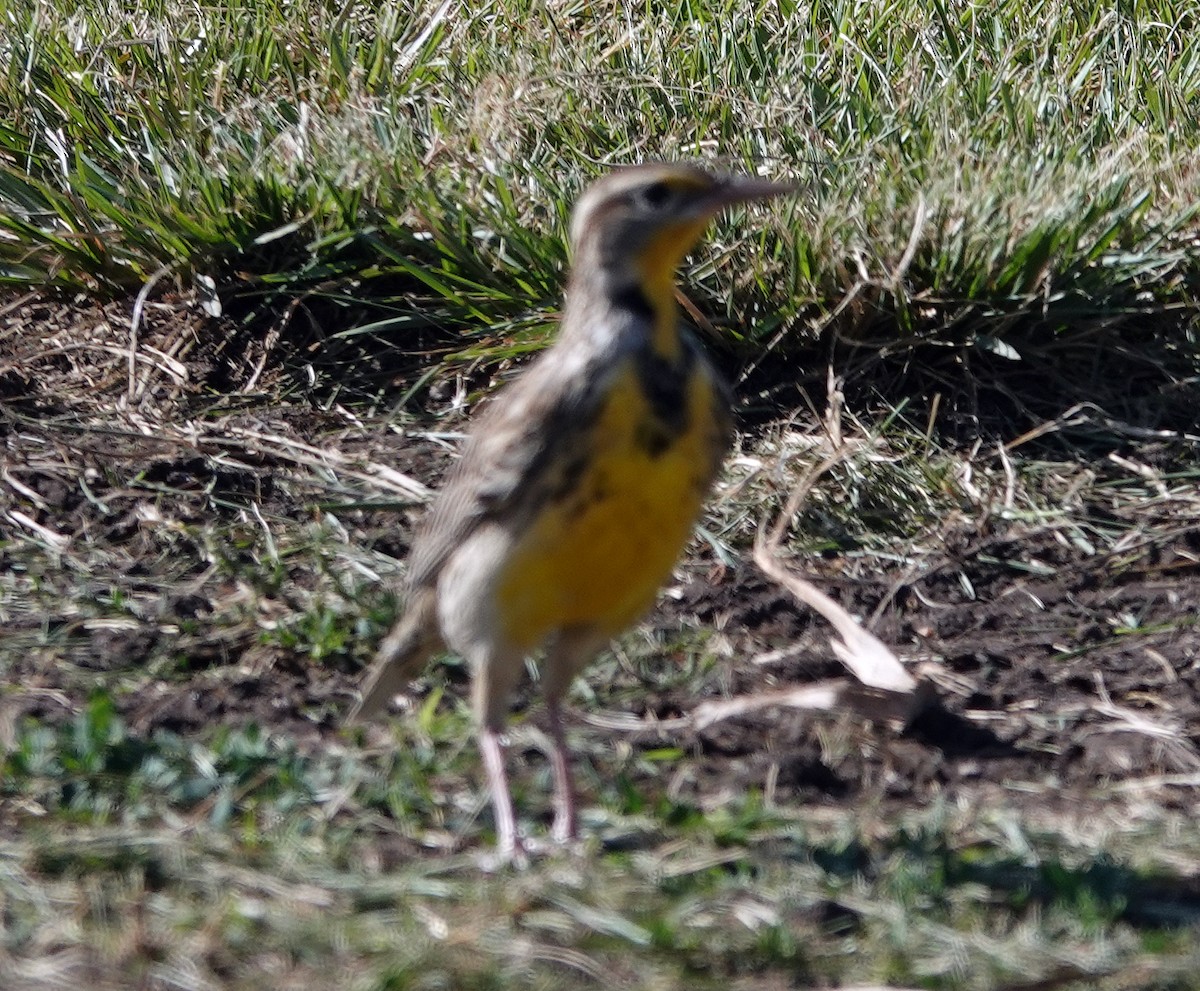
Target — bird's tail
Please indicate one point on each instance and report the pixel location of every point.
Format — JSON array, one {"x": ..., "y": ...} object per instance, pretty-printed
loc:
[{"x": 401, "y": 656}]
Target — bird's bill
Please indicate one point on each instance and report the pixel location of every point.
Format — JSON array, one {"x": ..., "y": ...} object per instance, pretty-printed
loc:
[{"x": 744, "y": 189}]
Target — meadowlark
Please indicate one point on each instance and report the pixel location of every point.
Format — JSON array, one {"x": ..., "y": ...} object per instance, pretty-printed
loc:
[{"x": 579, "y": 485}]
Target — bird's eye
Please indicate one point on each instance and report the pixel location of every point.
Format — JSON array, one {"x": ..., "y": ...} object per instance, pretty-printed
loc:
[{"x": 656, "y": 195}]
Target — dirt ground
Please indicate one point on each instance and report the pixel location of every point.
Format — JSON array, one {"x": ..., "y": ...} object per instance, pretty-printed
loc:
[{"x": 1062, "y": 672}]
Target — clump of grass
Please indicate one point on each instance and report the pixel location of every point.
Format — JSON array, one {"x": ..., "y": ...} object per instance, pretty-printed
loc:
[{"x": 972, "y": 174}]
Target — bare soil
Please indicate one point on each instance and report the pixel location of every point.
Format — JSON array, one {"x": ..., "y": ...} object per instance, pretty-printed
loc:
[{"x": 132, "y": 533}]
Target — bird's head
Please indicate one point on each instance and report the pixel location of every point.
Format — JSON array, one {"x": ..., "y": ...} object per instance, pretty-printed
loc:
[{"x": 647, "y": 217}]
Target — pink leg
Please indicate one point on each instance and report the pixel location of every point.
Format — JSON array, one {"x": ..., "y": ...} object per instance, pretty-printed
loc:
[
  {"x": 566, "y": 657},
  {"x": 566, "y": 825},
  {"x": 497, "y": 669},
  {"x": 507, "y": 844}
]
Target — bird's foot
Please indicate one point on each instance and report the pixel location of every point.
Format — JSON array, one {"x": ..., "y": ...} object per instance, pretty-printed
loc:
[{"x": 566, "y": 827}]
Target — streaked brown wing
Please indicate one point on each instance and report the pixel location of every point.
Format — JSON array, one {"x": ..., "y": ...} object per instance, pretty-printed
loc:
[{"x": 524, "y": 446}]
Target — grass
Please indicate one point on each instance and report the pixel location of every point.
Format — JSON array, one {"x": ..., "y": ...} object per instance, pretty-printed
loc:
[
  {"x": 1017, "y": 173},
  {"x": 259, "y": 260},
  {"x": 238, "y": 858}
]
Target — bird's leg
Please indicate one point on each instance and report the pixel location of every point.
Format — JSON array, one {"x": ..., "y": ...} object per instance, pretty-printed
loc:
[
  {"x": 497, "y": 669},
  {"x": 507, "y": 843},
  {"x": 566, "y": 824},
  {"x": 566, "y": 657}
]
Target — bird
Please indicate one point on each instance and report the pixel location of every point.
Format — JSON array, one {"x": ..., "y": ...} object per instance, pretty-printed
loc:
[{"x": 579, "y": 483}]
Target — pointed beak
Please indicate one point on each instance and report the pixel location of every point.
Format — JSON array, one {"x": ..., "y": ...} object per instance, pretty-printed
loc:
[{"x": 731, "y": 190}]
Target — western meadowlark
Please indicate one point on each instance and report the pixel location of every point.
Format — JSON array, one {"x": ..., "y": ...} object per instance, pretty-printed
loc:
[{"x": 578, "y": 485}]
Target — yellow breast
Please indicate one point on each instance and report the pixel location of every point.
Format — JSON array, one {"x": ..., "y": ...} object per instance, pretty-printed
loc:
[{"x": 597, "y": 554}]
